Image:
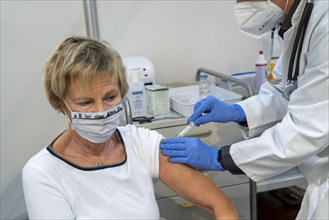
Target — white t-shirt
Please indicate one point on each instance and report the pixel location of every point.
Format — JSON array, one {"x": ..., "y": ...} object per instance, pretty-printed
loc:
[{"x": 57, "y": 189}]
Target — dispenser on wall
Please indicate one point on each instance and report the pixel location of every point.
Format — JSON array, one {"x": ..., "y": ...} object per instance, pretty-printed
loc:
[{"x": 139, "y": 65}]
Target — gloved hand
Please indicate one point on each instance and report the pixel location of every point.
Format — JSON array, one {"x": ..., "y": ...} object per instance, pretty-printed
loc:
[
  {"x": 191, "y": 151},
  {"x": 216, "y": 111}
]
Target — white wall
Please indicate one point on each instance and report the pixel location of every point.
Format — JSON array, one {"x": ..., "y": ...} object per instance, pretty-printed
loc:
[
  {"x": 178, "y": 36},
  {"x": 30, "y": 31}
]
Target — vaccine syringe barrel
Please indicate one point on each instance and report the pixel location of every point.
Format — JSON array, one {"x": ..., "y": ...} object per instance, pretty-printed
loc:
[
  {"x": 204, "y": 86},
  {"x": 185, "y": 130},
  {"x": 260, "y": 69}
]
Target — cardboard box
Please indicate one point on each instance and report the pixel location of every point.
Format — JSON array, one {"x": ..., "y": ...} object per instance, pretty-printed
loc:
[{"x": 157, "y": 99}]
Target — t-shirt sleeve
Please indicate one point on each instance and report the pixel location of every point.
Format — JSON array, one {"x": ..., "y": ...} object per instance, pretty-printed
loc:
[{"x": 147, "y": 144}]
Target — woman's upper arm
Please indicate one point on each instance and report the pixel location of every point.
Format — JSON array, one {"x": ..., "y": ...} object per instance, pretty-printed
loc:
[{"x": 195, "y": 187}]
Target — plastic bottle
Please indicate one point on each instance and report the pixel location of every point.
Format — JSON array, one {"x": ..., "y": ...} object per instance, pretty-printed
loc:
[
  {"x": 261, "y": 65},
  {"x": 137, "y": 96},
  {"x": 204, "y": 87}
]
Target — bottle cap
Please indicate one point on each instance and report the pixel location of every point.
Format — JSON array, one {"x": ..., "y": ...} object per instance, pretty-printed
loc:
[
  {"x": 204, "y": 76},
  {"x": 261, "y": 60}
]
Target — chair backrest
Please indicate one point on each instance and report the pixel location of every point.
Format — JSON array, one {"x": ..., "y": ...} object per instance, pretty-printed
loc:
[{"x": 126, "y": 118}]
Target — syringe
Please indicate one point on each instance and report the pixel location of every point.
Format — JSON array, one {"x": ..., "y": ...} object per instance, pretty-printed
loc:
[{"x": 186, "y": 130}]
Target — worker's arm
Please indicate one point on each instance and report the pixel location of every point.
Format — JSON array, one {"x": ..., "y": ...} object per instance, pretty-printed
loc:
[{"x": 197, "y": 188}]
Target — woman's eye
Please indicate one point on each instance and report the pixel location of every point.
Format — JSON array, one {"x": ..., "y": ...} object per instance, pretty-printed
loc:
[
  {"x": 84, "y": 103},
  {"x": 109, "y": 98}
]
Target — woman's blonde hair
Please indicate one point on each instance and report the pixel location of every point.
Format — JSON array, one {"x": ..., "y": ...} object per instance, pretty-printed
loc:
[{"x": 81, "y": 58}]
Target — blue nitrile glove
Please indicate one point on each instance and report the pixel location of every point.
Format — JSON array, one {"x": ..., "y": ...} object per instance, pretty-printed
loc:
[
  {"x": 211, "y": 109},
  {"x": 191, "y": 151}
]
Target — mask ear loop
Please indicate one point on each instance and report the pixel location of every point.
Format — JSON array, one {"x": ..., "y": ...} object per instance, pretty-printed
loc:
[
  {"x": 285, "y": 7},
  {"x": 68, "y": 118}
]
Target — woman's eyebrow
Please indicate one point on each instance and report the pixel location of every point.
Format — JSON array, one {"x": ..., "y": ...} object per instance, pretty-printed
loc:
[
  {"x": 112, "y": 92},
  {"x": 77, "y": 99}
]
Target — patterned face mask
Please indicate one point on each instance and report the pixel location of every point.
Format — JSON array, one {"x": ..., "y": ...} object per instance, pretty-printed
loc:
[{"x": 96, "y": 127}]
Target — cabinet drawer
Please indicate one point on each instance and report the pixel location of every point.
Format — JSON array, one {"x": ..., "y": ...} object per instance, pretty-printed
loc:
[
  {"x": 219, "y": 178},
  {"x": 178, "y": 208},
  {"x": 226, "y": 179}
]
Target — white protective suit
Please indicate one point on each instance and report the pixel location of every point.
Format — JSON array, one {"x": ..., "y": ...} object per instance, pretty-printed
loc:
[{"x": 293, "y": 133}]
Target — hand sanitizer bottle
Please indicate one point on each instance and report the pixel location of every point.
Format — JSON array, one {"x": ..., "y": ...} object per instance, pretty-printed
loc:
[{"x": 137, "y": 96}]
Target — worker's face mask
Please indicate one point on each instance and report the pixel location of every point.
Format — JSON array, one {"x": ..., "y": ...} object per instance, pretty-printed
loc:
[
  {"x": 96, "y": 127},
  {"x": 257, "y": 18}
]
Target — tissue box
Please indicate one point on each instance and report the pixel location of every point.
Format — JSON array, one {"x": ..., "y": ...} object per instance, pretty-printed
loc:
[{"x": 157, "y": 99}]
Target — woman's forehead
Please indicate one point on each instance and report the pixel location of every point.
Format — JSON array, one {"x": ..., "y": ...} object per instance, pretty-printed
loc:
[{"x": 101, "y": 83}]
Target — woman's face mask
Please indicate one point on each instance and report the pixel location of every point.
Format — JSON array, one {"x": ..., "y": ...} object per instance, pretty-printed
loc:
[
  {"x": 96, "y": 127},
  {"x": 257, "y": 18}
]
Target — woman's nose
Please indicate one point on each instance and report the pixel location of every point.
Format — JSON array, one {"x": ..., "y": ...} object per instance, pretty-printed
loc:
[{"x": 100, "y": 107}]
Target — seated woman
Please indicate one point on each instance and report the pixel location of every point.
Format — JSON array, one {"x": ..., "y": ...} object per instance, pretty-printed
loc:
[{"x": 96, "y": 169}]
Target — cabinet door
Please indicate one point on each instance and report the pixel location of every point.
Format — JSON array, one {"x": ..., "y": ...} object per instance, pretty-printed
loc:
[{"x": 178, "y": 208}]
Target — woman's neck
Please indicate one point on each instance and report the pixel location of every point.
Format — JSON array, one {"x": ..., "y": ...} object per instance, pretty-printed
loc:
[{"x": 84, "y": 153}]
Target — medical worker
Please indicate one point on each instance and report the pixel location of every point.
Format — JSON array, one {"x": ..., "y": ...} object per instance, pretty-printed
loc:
[{"x": 282, "y": 131}]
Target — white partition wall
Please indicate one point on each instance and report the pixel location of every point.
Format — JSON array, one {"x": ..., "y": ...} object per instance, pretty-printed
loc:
[
  {"x": 30, "y": 31},
  {"x": 178, "y": 36}
]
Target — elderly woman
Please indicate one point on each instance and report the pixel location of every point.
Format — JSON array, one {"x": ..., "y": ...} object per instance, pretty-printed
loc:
[{"x": 97, "y": 169}]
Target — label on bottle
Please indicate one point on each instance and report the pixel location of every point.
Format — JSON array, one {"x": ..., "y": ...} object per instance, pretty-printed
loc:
[
  {"x": 204, "y": 92},
  {"x": 137, "y": 99},
  {"x": 260, "y": 75},
  {"x": 137, "y": 103},
  {"x": 204, "y": 88}
]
